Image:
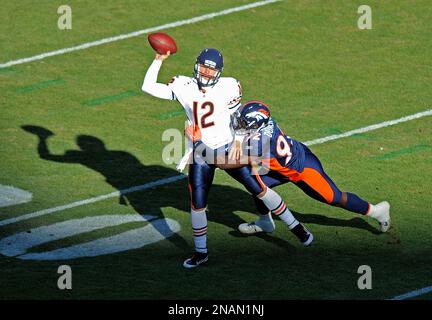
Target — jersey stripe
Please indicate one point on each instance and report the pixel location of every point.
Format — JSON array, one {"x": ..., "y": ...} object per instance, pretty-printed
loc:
[{"x": 234, "y": 106}]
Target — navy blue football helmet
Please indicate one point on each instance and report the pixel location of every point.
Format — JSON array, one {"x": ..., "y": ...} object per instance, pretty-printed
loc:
[
  {"x": 251, "y": 117},
  {"x": 210, "y": 58}
]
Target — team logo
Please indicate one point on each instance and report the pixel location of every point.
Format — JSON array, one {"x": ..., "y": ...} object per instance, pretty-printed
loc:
[
  {"x": 259, "y": 115},
  {"x": 210, "y": 63}
]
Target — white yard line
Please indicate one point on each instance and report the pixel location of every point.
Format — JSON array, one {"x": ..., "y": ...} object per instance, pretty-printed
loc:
[
  {"x": 87, "y": 45},
  {"x": 93, "y": 200},
  {"x": 160, "y": 182},
  {"x": 181, "y": 176},
  {"x": 370, "y": 128},
  {"x": 413, "y": 294},
  {"x": 137, "y": 33}
]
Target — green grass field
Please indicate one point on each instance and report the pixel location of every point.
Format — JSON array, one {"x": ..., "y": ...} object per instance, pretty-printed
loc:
[{"x": 320, "y": 74}]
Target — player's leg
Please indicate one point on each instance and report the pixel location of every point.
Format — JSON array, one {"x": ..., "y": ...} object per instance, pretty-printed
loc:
[
  {"x": 318, "y": 185},
  {"x": 264, "y": 223},
  {"x": 268, "y": 201},
  {"x": 255, "y": 186},
  {"x": 273, "y": 179},
  {"x": 200, "y": 180}
]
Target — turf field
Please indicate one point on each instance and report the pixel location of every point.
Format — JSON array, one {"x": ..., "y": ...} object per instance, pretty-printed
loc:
[{"x": 76, "y": 126}]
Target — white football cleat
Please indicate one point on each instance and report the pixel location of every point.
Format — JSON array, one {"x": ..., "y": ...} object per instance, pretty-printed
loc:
[
  {"x": 381, "y": 212},
  {"x": 261, "y": 225}
]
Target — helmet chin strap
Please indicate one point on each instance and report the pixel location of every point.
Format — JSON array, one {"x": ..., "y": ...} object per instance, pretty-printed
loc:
[
  {"x": 198, "y": 76},
  {"x": 206, "y": 85},
  {"x": 200, "y": 86}
]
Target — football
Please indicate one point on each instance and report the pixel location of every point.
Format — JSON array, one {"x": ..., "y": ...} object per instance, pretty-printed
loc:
[{"x": 162, "y": 43}]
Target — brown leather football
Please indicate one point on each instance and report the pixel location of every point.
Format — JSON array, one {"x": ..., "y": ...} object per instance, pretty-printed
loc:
[{"x": 162, "y": 43}]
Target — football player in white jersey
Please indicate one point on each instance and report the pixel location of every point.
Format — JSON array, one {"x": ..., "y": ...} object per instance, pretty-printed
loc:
[{"x": 209, "y": 101}]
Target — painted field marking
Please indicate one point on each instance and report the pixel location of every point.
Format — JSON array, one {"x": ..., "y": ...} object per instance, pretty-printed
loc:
[
  {"x": 182, "y": 176},
  {"x": 7, "y": 70},
  {"x": 412, "y": 294},
  {"x": 403, "y": 151},
  {"x": 18, "y": 244},
  {"x": 39, "y": 85},
  {"x": 11, "y": 196},
  {"x": 102, "y": 100},
  {"x": 168, "y": 115},
  {"x": 93, "y": 200},
  {"x": 175, "y": 178},
  {"x": 370, "y": 128},
  {"x": 137, "y": 33},
  {"x": 337, "y": 131}
]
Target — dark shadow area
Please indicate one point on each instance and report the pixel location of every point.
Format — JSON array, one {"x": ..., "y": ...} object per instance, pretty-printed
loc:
[
  {"x": 123, "y": 170},
  {"x": 356, "y": 222}
]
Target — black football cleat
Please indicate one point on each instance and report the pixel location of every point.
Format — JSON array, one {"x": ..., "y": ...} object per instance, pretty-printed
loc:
[
  {"x": 303, "y": 234},
  {"x": 197, "y": 259}
]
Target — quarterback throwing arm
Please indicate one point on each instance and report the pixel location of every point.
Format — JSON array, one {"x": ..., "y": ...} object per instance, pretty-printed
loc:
[
  {"x": 202, "y": 106},
  {"x": 208, "y": 108},
  {"x": 152, "y": 87},
  {"x": 210, "y": 101}
]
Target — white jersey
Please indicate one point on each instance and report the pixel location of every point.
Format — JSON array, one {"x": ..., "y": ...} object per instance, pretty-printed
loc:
[{"x": 210, "y": 109}]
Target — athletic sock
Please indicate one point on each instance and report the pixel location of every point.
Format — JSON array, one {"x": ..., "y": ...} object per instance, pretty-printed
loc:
[
  {"x": 199, "y": 226},
  {"x": 287, "y": 217},
  {"x": 278, "y": 207}
]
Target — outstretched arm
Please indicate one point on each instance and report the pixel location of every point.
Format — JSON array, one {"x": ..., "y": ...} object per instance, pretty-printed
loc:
[
  {"x": 247, "y": 151},
  {"x": 43, "y": 135},
  {"x": 150, "y": 84},
  {"x": 243, "y": 160}
]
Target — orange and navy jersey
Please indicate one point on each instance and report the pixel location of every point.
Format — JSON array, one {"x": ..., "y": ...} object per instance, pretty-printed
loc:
[{"x": 276, "y": 150}]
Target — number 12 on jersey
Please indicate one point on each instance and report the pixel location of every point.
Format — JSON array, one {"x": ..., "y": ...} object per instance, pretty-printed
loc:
[{"x": 203, "y": 122}]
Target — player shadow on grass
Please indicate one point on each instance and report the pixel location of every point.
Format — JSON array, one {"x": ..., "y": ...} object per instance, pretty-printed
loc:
[
  {"x": 123, "y": 170},
  {"x": 310, "y": 218},
  {"x": 355, "y": 222}
]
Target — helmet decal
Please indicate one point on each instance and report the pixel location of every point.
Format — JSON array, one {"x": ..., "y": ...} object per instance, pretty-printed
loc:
[
  {"x": 262, "y": 110},
  {"x": 258, "y": 115},
  {"x": 210, "y": 63},
  {"x": 253, "y": 116}
]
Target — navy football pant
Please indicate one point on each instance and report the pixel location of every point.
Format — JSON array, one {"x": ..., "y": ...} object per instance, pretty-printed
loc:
[
  {"x": 200, "y": 180},
  {"x": 201, "y": 173},
  {"x": 312, "y": 180}
]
